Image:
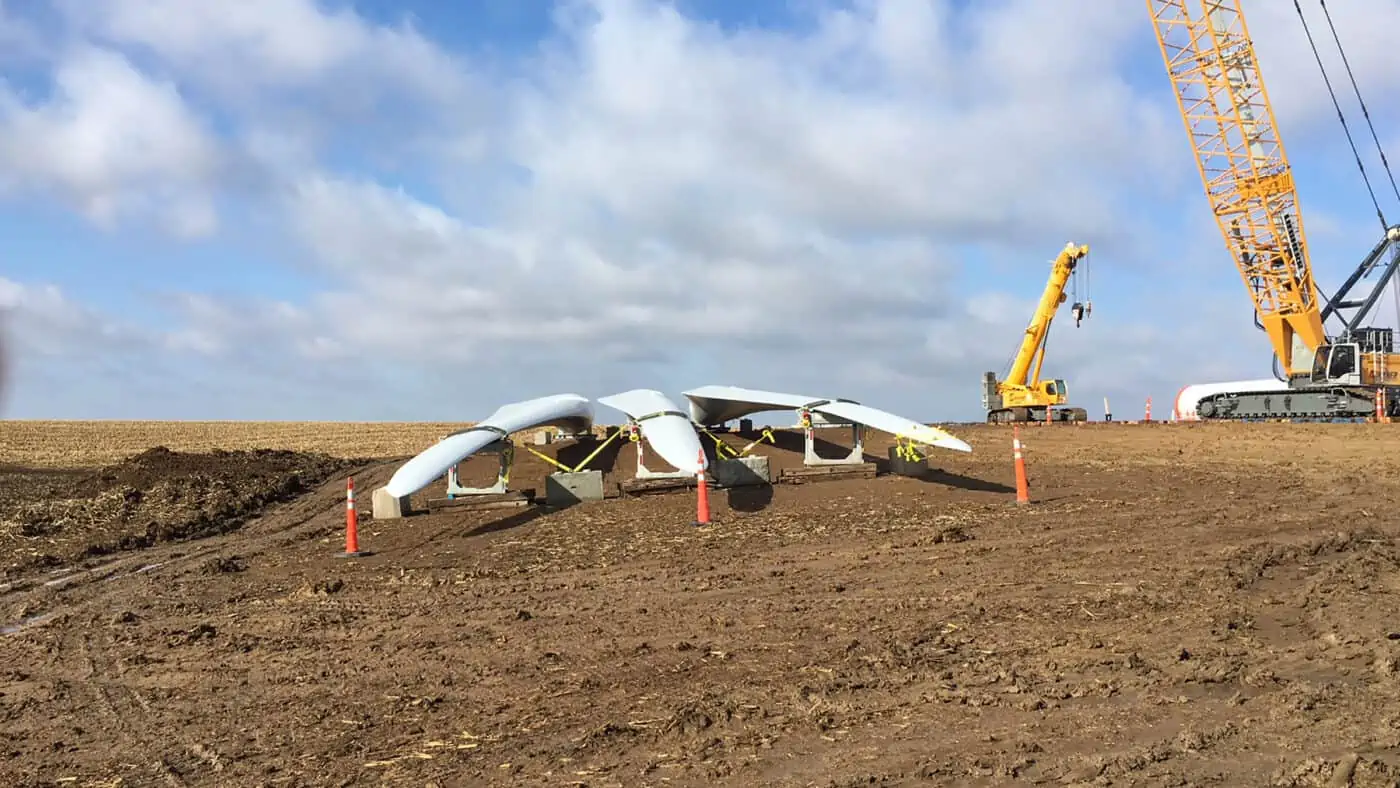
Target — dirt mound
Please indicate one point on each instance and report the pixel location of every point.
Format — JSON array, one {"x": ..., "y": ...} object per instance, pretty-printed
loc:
[
  {"x": 160, "y": 464},
  {"x": 156, "y": 496}
]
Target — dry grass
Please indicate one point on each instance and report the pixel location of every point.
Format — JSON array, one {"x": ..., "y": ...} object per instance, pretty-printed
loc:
[
  {"x": 74, "y": 444},
  {"x": 82, "y": 444}
]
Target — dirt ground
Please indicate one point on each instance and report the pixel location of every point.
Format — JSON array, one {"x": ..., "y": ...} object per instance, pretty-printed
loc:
[{"x": 1181, "y": 605}]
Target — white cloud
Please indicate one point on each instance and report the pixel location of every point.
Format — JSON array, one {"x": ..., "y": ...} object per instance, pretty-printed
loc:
[
  {"x": 277, "y": 44},
  {"x": 997, "y": 146},
  {"x": 42, "y": 320},
  {"x": 112, "y": 142},
  {"x": 297, "y": 74},
  {"x": 652, "y": 200}
]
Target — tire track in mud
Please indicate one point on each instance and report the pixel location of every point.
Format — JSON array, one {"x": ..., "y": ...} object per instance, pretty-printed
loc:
[
  {"x": 125, "y": 711},
  {"x": 176, "y": 758},
  {"x": 248, "y": 540},
  {"x": 165, "y": 757}
]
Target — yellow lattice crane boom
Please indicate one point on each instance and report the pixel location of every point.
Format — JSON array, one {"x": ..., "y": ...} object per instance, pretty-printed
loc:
[
  {"x": 1220, "y": 92},
  {"x": 1206, "y": 47}
]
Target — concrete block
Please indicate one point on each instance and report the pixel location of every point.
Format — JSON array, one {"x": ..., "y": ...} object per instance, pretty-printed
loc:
[
  {"x": 566, "y": 489},
  {"x": 741, "y": 472},
  {"x": 902, "y": 467},
  {"x": 386, "y": 506}
]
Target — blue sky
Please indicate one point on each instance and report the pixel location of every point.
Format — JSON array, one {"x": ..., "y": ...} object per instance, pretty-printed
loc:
[{"x": 413, "y": 210}]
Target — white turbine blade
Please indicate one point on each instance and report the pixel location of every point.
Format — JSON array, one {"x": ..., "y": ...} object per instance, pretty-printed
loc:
[{"x": 665, "y": 426}]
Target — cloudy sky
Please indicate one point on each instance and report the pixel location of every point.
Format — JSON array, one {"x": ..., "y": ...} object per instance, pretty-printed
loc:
[{"x": 410, "y": 209}]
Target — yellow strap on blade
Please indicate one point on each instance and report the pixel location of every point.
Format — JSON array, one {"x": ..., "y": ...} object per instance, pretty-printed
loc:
[
  {"x": 561, "y": 466},
  {"x": 905, "y": 449},
  {"x": 766, "y": 436},
  {"x": 720, "y": 446}
]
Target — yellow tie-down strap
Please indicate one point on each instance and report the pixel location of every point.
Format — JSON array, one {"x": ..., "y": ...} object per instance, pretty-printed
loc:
[
  {"x": 927, "y": 436},
  {"x": 722, "y": 449},
  {"x": 584, "y": 463},
  {"x": 906, "y": 449}
]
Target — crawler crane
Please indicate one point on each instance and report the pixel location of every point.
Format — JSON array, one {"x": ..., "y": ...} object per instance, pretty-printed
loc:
[
  {"x": 1208, "y": 54},
  {"x": 1023, "y": 396}
]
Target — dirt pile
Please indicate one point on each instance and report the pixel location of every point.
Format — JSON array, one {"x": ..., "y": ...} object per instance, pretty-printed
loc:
[{"x": 156, "y": 496}]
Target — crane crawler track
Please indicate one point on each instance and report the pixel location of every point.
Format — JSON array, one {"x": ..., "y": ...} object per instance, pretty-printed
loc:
[
  {"x": 1307, "y": 404},
  {"x": 1030, "y": 415}
]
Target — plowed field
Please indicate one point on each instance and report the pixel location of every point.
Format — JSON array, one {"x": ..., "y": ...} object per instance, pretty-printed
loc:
[{"x": 1180, "y": 605}]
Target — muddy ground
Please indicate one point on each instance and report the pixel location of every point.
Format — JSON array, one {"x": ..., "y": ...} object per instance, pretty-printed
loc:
[
  {"x": 51, "y": 518},
  {"x": 1181, "y": 605}
]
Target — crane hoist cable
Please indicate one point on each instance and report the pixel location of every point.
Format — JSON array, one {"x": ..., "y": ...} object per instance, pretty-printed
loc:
[
  {"x": 1364, "y": 112},
  {"x": 1337, "y": 105},
  {"x": 1074, "y": 288}
]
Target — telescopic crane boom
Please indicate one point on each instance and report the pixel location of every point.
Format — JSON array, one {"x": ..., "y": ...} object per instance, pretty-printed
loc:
[
  {"x": 1208, "y": 54},
  {"x": 1023, "y": 396}
]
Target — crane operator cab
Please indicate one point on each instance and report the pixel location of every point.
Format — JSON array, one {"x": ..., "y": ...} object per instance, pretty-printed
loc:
[
  {"x": 1338, "y": 363},
  {"x": 1055, "y": 391}
]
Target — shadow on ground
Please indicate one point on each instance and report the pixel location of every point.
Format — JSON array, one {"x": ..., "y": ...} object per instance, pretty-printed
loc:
[
  {"x": 793, "y": 442},
  {"x": 970, "y": 483},
  {"x": 523, "y": 517},
  {"x": 515, "y": 520},
  {"x": 753, "y": 498}
]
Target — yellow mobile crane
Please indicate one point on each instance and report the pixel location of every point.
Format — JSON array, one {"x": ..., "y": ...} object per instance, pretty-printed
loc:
[
  {"x": 1023, "y": 396},
  {"x": 1209, "y": 56}
]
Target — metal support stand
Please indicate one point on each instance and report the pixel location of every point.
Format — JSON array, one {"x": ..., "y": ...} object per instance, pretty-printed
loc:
[
  {"x": 809, "y": 438},
  {"x": 634, "y": 434},
  {"x": 505, "y": 450}
]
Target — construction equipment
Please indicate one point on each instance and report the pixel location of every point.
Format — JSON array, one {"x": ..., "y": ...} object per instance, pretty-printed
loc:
[
  {"x": 1023, "y": 396},
  {"x": 1210, "y": 58}
]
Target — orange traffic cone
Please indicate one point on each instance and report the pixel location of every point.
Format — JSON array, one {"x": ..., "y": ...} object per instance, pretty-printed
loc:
[
  {"x": 1023, "y": 490},
  {"x": 352, "y": 523},
  {"x": 702, "y": 494}
]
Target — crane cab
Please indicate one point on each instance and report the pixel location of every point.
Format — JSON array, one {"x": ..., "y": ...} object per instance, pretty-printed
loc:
[
  {"x": 1357, "y": 362},
  {"x": 1055, "y": 392},
  {"x": 1038, "y": 394},
  {"x": 1338, "y": 363}
]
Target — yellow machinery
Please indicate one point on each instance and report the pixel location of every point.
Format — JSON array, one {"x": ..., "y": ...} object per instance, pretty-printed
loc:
[
  {"x": 1023, "y": 396},
  {"x": 1209, "y": 56}
]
